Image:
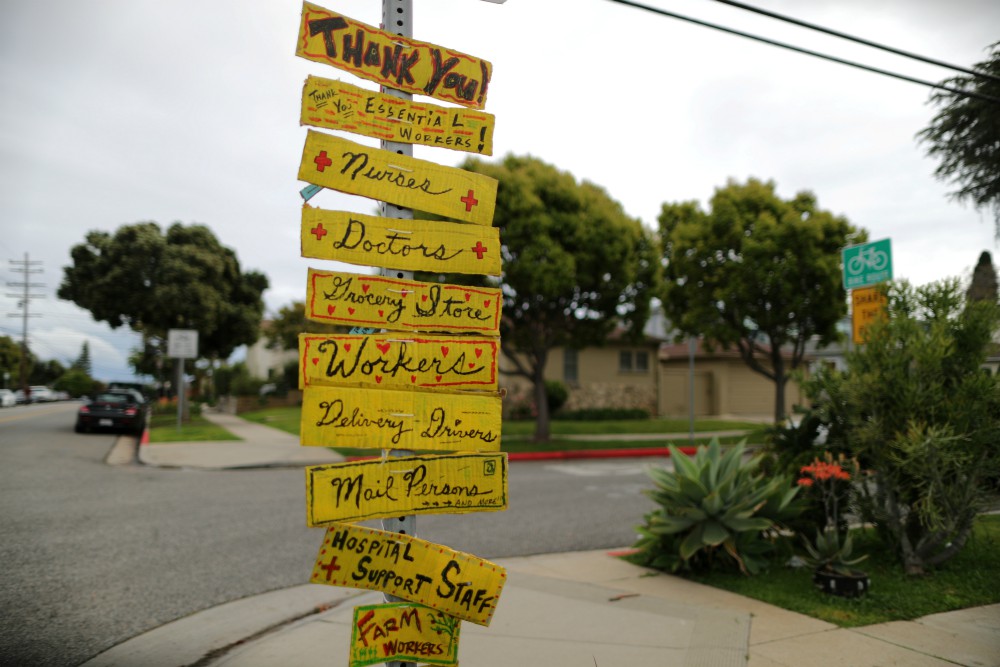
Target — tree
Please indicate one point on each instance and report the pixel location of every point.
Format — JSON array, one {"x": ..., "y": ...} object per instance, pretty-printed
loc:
[
  {"x": 10, "y": 361},
  {"x": 574, "y": 266},
  {"x": 82, "y": 362},
  {"x": 154, "y": 282},
  {"x": 757, "y": 272},
  {"x": 965, "y": 136},
  {"x": 45, "y": 372},
  {"x": 283, "y": 330},
  {"x": 77, "y": 382},
  {"x": 916, "y": 409},
  {"x": 984, "y": 280}
]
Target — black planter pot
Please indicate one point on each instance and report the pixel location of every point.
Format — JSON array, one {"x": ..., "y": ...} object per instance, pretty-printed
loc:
[{"x": 850, "y": 585}]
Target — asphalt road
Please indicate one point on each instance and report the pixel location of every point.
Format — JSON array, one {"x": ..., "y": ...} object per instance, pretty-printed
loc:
[{"x": 94, "y": 554}]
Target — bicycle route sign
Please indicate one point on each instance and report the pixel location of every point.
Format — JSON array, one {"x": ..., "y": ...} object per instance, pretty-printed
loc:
[{"x": 867, "y": 264}]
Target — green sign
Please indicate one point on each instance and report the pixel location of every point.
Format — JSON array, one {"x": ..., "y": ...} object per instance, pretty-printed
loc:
[{"x": 867, "y": 264}]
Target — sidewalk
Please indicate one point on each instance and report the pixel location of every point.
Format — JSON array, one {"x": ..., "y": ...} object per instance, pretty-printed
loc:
[{"x": 579, "y": 609}]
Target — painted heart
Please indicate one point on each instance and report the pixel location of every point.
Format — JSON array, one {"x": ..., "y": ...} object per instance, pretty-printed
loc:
[
  {"x": 382, "y": 347},
  {"x": 315, "y": 360},
  {"x": 423, "y": 297},
  {"x": 467, "y": 296},
  {"x": 330, "y": 309},
  {"x": 347, "y": 347},
  {"x": 381, "y": 313},
  {"x": 413, "y": 378},
  {"x": 350, "y": 310},
  {"x": 365, "y": 288},
  {"x": 437, "y": 377},
  {"x": 378, "y": 379},
  {"x": 479, "y": 352},
  {"x": 472, "y": 364},
  {"x": 444, "y": 350},
  {"x": 487, "y": 302}
]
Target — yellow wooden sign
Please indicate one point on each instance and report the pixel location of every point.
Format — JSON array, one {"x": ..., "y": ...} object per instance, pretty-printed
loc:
[
  {"x": 401, "y": 305},
  {"x": 379, "y": 488},
  {"x": 459, "y": 584},
  {"x": 867, "y": 305},
  {"x": 391, "y": 60},
  {"x": 403, "y": 631},
  {"x": 385, "y": 419},
  {"x": 339, "y": 164},
  {"x": 409, "y": 245},
  {"x": 337, "y": 105},
  {"x": 398, "y": 361}
]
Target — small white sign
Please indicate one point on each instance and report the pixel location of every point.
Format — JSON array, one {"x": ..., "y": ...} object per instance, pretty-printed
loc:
[{"x": 182, "y": 344}]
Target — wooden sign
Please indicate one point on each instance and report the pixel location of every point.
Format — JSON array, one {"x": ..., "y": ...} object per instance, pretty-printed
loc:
[
  {"x": 343, "y": 165},
  {"x": 410, "y": 245},
  {"x": 401, "y": 305},
  {"x": 867, "y": 305},
  {"x": 459, "y": 584},
  {"x": 379, "y": 488},
  {"x": 386, "y": 419},
  {"x": 403, "y": 631},
  {"x": 398, "y": 361},
  {"x": 392, "y": 60},
  {"x": 337, "y": 105}
]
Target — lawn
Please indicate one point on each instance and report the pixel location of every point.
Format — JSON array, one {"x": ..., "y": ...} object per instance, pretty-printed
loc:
[
  {"x": 516, "y": 435},
  {"x": 970, "y": 579},
  {"x": 163, "y": 428}
]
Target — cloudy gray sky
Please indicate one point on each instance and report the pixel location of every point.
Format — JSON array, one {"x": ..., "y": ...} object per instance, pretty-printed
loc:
[{"x": 114, "y": 111}]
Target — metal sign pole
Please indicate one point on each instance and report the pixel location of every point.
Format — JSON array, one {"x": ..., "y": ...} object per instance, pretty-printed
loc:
[{"x": 397, "y": 18}]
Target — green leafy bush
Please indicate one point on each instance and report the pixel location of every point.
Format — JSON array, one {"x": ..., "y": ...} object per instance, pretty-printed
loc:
[{"x": 716, "y": 510}]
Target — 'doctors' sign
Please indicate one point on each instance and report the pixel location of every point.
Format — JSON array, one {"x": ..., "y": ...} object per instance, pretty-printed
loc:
[{"x": 867, "y": 264}]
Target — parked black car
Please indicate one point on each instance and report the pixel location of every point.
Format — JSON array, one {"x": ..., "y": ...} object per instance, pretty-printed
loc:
[{"x": 123, "y": 410}]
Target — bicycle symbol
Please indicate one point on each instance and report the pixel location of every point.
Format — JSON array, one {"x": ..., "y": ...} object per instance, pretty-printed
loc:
[{"x": 871, "y": 259}]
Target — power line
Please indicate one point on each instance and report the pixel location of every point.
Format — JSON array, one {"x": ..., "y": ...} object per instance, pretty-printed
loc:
[
  {"x": 859, "y": 40},
  {"x": 850, "y": 63}
]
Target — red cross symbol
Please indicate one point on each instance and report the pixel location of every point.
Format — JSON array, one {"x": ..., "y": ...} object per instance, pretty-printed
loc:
[
  {"x": 480, "y": 250},
  {"x": 469, "y": 200},
  {"x": 322, "y": 161},
  {"x": 330, "y": 568},
  {"x": 319, "y": 231}
]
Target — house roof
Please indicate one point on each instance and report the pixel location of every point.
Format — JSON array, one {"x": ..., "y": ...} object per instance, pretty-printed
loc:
[{"x": 671, "y": 350}]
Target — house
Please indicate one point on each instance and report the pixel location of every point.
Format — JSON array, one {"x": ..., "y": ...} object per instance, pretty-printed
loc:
[{"x": 265, "y": 363}]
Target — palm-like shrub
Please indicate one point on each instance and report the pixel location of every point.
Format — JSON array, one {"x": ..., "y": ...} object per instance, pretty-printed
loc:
[{"x": 716, "y": 510}]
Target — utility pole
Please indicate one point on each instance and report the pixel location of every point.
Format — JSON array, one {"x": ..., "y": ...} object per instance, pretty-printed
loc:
[{"x": 24, "y": 267}]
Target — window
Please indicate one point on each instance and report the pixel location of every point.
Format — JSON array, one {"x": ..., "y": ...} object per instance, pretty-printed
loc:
[
  {"x": 633, "y": 361},
  {"x": 571, "y": 366},
  {"x": 625, "y": 361}
]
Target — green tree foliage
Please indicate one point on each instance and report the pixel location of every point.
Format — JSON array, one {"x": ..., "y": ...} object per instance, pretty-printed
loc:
[
  {"x": 918, "y": 411},
  {"x": 574, "y": 266},
  {"x": 984, "y": 280},
  {"x": 82, "y": 362},
  {"x": 77, "y": 382},
  {"x": 283, "y": 330},
  {"x": 46, "y": 372},
  {"x": 757, "y": 272},
  {"x": 154, "y": 281},
  {"x": 10, "y": 361},
  {"x": 965, "y": 137}
]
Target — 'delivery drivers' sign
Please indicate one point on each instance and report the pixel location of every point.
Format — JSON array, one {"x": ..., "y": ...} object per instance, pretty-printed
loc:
[
  {"x": 339, "y": 164},
  {"x": 399, "y": 361},
  {"x": 379, "y": 488},
  {"x": 401, "y": 305},
  {"x": 337, "y": 105},
  {"x": 459, "y": 584},
  {"x": 389, "y": 419},
  {"x": 392, "y": 60},
  {"x": 408, "y": 245}
]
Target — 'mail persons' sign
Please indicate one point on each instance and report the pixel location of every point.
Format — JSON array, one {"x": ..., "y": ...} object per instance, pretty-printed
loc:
[
  {"x": 403, "y": 631},
  {"x": 392, "y": 60},
  {"x": 339, "y": 164},
  {"x": 337, "y": 105},
  {"x": 459, "y": 584},
  {"x": 378, "y": 488},
  {"x": 409, "y": 245},
  {"x": 399, "y": 361},
  {"x": 392, "y": 419},
  {"x": 401, "y": 305}
]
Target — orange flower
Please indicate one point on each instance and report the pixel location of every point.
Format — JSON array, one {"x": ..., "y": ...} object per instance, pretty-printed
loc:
[{"x": 805, "y": 481}]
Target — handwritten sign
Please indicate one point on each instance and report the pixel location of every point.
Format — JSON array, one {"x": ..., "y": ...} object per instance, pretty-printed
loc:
[
  {"x": 410, "y": 245},
  {"x": 401, "y": 305},
  {"x": 337, "y": 105},
  {"x": 350, "y": 167},
  {"x": 385, "y": 419},
  {"x": 459, "y": 584},
  {"x": 867, "y": 305},
  {"x": 403, "y": 631},
  {"x": 392, "y": 60},
  {"x": 396, "y": 361},
  {"x": 446, "y": 484}
]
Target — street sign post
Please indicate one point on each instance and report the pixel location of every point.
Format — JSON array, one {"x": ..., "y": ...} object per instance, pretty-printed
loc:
[
  {"x": 181, "y": 344},
  {"x": 867, "y": 264}
]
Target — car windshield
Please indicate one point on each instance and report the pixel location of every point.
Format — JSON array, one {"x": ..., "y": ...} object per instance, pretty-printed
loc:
[{"x": 114, "y": 398}]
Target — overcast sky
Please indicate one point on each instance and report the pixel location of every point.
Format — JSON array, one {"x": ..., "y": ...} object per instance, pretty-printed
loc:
[{"x": 114, "y": 111}]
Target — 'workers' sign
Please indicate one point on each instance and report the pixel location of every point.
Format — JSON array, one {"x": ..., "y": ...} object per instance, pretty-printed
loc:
[
  {"x": 403, "y": 631},
  {"x": 392, "y": 60},
  {"x": 459, "y": 584}
]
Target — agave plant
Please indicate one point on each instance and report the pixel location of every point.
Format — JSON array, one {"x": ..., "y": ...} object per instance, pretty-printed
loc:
[
  {"x": 828, "y": 554},
  {"x": 714, "y": 506}
]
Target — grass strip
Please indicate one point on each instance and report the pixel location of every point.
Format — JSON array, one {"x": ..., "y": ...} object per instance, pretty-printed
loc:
[
  {"x": 163, "y": 429},
  {"x": 968, "y": 580}
]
